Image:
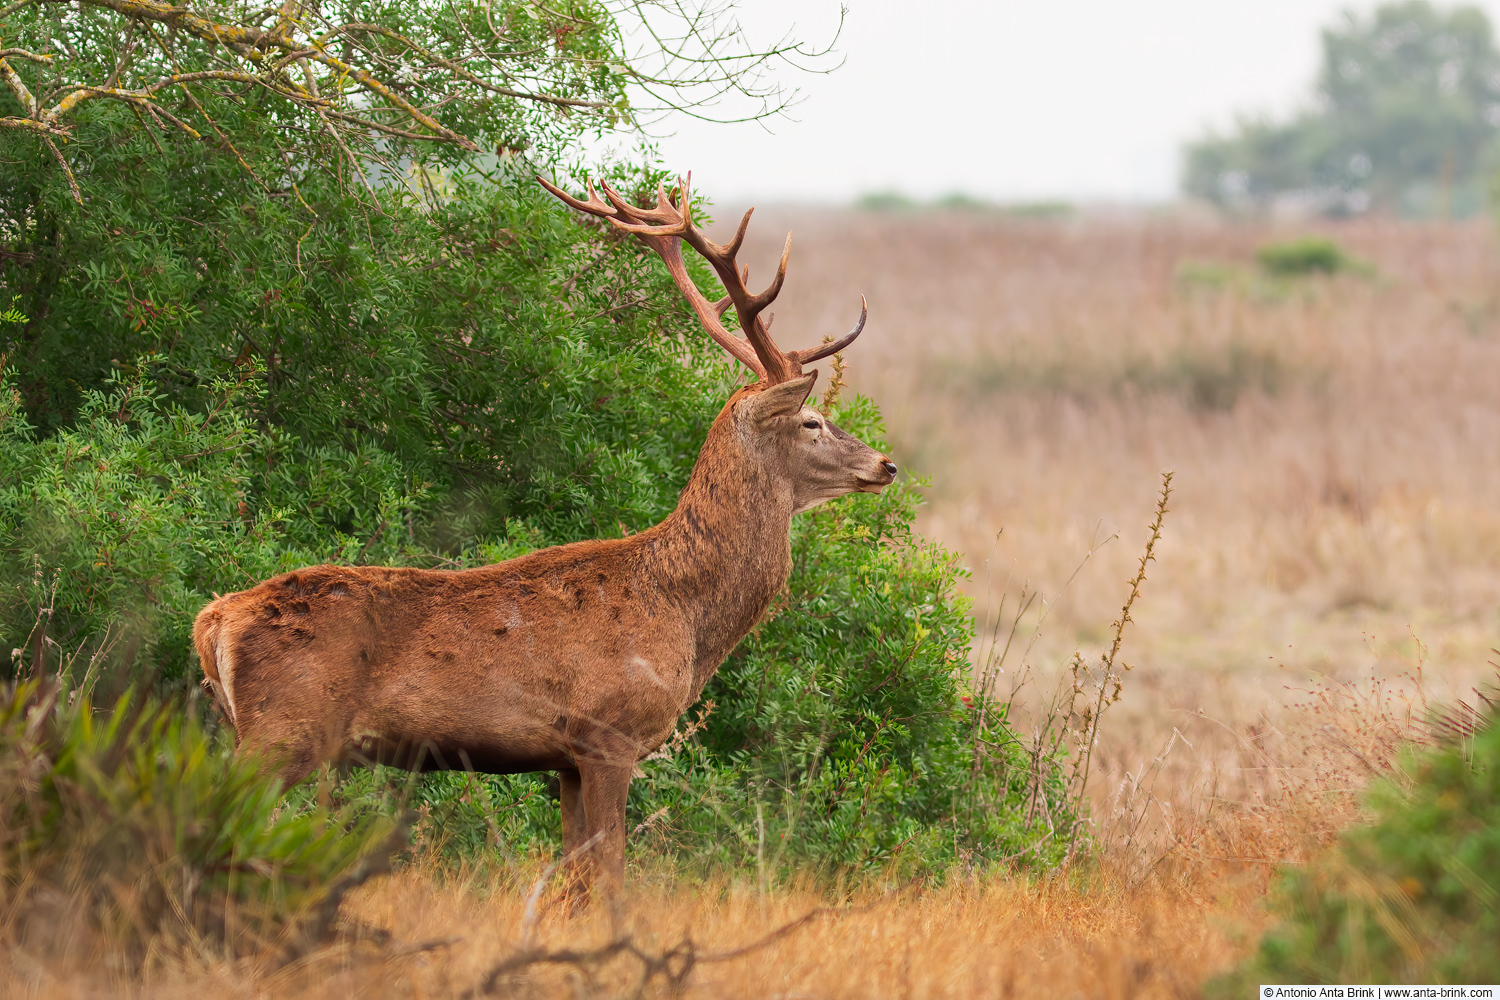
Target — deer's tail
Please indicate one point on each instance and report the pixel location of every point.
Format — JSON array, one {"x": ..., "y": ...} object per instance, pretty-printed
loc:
[{"x": 214, "y": 656}]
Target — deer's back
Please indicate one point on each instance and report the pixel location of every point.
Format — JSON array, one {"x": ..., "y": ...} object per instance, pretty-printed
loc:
[{"x": 518, "y": 664}]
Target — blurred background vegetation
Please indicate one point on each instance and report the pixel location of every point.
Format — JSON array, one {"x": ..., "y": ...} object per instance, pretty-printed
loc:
[{"x": 1405, "y": 120}]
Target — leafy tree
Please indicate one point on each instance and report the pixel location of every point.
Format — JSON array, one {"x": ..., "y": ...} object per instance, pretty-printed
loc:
[{"x": 1404, "y": 119}]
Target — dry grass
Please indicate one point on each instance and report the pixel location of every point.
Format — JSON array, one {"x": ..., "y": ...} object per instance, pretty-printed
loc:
[
  {"x": 1336, "y": 445},
  {"x": 1155, "y": 917},
  {"x": 448, "y": 933}
]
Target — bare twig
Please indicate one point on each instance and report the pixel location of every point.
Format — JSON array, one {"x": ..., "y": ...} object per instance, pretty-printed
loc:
[
  {"x": 674, "y": 964},
  {"x": 67, "y": 170},
  {"x": 1112, "y": 669}
]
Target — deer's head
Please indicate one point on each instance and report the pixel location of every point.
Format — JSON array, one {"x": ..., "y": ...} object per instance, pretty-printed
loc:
[
  {"x": 793, "y": 444},
  {"x": 801, "y": 448}
]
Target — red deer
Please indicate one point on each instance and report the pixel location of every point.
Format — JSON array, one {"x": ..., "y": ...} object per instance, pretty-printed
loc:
[{"x": 579, "y": 658}]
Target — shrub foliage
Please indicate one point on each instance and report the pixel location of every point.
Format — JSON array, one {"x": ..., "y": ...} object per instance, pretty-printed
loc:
[
  {"x": 1414, "y": 897},
  {"x": 135, "y": 826}
]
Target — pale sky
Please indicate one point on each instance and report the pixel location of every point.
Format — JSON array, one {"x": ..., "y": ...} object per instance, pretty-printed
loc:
[{"x": 1085, "y": 100}]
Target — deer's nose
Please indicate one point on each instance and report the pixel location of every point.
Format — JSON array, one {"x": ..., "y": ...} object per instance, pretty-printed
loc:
[{"x": 889, "y": 467}]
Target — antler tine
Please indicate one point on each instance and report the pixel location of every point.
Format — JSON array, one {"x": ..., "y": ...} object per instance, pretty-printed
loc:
[
  {"x": 722, "y": 259},
  {"x": 593, "y": 206},
  {"x": 664, "y": 201},
  {"x": 739, "y": 234},
  {"x": 824, "y": 350},
  {"x": 768, "y": 296},
  {"x": 660, "y": 218},
  {"x": 778, "y": 364}
]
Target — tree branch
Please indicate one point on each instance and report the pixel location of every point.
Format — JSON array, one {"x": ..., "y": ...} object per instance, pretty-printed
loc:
[
  {"x": 67, "y": 170},
  {"x": 18, "y": 87},
  {"x": 370, "y": 86}
]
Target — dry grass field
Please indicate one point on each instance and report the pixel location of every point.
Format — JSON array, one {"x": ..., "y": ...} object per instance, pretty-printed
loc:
[
  {"x": 999, "y": 939},
  {"x": 1335, "y": 440},
  {"x": 1332, "y": 558},
  {"x": 1154, "y": 917},
  {"x": 460, "y": 937}
]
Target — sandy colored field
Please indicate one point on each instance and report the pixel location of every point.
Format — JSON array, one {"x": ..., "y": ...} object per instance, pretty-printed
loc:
[
  {"x": 1113, "y": 929},
  {"x": 1336, "y": 449},
  {"x": 1336, "y": 442}
]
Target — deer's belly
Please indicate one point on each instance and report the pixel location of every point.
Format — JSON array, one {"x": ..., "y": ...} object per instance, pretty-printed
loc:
[
  {"x": 509, "y": 711},
  {"x": 484, "y": 756}
]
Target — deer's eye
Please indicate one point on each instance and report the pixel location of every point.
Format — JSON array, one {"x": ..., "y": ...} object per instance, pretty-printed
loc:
[{"x": 811, "y": 425}]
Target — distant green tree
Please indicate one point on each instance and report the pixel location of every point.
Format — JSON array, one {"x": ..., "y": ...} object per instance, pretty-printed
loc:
[{"x": 1405, "y": 120}]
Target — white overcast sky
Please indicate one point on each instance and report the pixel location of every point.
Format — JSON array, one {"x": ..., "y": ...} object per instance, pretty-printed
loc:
[{"x": 1010, "y": 100}]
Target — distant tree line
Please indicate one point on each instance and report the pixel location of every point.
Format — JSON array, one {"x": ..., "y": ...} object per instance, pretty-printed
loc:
[{"x": 1404, "y": 121}]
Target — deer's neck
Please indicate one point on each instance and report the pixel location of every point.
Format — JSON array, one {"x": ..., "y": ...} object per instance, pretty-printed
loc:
[{"x": 724, "y": 553}]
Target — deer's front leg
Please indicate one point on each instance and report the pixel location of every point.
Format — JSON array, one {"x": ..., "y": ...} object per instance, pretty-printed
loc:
[
  {"x": 576, "y": 866},
  {"x": 570, "y": 787},
  {"x": 605, "y": 787}
]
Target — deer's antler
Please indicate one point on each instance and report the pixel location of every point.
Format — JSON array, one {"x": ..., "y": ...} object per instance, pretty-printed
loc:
[{"x": 664, "y": 228}]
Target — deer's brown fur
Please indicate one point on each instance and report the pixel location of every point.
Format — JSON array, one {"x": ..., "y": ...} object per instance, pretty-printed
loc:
[{"x": 578, "y": 658}]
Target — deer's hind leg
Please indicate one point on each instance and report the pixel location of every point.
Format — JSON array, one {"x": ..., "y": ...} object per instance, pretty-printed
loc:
[
  {"x": 576, "y": 866},
  {"x": 290, "y": 757},
  {"x": 291, "y": 742}
]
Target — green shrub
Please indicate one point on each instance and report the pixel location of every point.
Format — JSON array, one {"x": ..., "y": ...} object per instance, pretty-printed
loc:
[
  {"x": 116, "y": 527},
  {"x": 1304, "y": 256},
  {"x": 1206, "y": 274},
  {"x": 138, "y": 828},
  {"x": 1205, "y": 377},
  {"x": 1412, "y": 898},
  {"x": 886, "y": 201}
]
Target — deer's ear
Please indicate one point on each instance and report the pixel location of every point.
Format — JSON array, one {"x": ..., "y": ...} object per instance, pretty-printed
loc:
[{"x": 780, "y": 400}]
